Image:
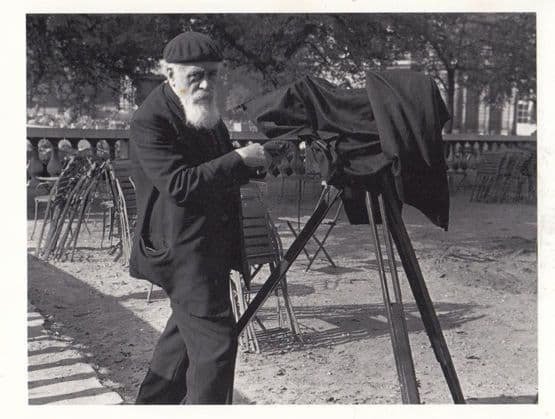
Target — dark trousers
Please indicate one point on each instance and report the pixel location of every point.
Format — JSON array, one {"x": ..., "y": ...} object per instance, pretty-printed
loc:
[{"x": 193, "y": 362}]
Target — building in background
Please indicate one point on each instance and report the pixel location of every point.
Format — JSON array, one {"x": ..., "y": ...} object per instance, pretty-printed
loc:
[{"x": 472, "y": 114}]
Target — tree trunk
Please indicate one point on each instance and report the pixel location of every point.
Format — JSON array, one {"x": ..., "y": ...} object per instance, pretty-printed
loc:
[
  {"x": 450, "y": 99},
  {"x": 515, "y": 114}
]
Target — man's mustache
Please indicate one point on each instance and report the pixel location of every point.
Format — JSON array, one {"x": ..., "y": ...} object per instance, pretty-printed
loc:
[{"x": 203, "y": 95}]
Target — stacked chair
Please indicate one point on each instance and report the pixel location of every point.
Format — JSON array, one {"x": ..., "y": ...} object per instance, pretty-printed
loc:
[
  {"x": 501, "y": 175},
  {"x": 261, "y": 247}
]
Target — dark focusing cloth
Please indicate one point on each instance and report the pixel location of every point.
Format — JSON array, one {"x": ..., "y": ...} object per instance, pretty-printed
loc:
[{"x": 395, "y": 122}]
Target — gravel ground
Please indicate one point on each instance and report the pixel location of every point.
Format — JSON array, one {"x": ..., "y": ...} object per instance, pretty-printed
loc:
[{"x": 481, "y": 275}]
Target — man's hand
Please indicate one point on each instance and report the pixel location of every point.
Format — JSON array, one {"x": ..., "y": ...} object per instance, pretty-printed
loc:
[{"x": 254, "y": 155}]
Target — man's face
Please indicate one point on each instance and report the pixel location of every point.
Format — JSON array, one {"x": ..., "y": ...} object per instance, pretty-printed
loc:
[
  {"x": 197, "y": 80},
  {"x": 196, "y": 86}
]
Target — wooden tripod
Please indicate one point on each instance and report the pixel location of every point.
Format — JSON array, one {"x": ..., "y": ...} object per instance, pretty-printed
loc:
[{"x": 393, "y": 230}]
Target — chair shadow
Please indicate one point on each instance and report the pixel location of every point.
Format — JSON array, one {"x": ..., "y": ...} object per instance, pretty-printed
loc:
[
  {"x": 352, "y": 323},
  {"x": 299, "y": 290},
  {"x": 296, "y": 290}
]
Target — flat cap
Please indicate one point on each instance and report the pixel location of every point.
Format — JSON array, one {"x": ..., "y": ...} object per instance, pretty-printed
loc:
[{"x": 189, "y": 47}]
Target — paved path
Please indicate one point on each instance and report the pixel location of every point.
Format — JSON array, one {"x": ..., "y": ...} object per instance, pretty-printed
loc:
[{"x": 57, "y": 372}]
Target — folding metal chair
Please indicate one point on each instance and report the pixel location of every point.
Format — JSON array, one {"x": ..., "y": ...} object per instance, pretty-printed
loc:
[
  {"x": 328, "y": 223},
  {"x": 47, "y": 182}
]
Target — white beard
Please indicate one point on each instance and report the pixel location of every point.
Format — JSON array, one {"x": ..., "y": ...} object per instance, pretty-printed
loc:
[{"x": 202, "y": 114}]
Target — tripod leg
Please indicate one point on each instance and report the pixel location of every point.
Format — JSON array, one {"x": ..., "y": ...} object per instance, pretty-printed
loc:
[
  {"x": 420, "y": 292},
  {"x": 399, "y": 313},
  {"x": 395, "y": 316}
]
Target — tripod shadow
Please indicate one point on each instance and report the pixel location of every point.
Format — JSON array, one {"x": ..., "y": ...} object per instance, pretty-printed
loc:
[{"x": 325, "y": 326}]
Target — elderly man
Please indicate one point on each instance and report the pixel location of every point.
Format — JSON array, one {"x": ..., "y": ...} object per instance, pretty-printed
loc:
[{"x": 187, "y": 235}]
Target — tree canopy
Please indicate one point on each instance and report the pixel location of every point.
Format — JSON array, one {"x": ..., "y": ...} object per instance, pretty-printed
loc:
[{"x": 74, "y": 57}]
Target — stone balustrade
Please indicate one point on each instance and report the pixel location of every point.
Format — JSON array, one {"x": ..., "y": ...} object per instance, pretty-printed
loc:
[
  {"x": 47, "y": 147},
  {"x": 59, "y": 142},
  {"x": 462, "y": 151}
]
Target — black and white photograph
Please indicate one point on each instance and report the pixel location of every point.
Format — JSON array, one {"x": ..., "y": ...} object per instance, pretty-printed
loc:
[{"x": 282, "y": 208}]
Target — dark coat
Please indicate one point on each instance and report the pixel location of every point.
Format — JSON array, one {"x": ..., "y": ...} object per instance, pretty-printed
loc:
[{"x": 187, "y": 180}]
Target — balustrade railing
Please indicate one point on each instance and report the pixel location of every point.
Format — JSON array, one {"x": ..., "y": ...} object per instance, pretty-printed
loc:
[
  {"x": 47, "y": 147},
  {"x": 462, "y": 151}
]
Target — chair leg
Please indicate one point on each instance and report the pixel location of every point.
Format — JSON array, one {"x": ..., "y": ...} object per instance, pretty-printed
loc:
[
  {"x": 248, "y": 337},
  {"x": 278, "y": 308},
  {"x": 232, "y": 294},
  {"x": 85, "y": 224},
  {"x": 322, "y": 248},
  {"x": 260, "y": 324},
  {"x": 149, "y": 293},
  {"x": 103, "y": 228},
  {"x": 294, "y": 232},
  {"x": 87, "y": 218},
  {"x": 293, "y": 323},
  {"x": 35, "y": 220},
  {"x": 111, "y": 218}
]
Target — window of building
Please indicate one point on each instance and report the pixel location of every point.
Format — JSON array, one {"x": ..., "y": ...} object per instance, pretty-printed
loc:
[{"x": 525, "y": 110}]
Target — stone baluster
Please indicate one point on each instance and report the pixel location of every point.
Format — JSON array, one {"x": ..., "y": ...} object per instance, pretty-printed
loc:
[
  {"x": 74, "y": 143},
  {"x": 36, "y": 166},
  {"x": 466, "y": 154},
  {"x": 459, "y": 157},
  {"x": 111, "y": 149},
  {"x": 123, "y": 149},
  {"x": 476, "y": 155},
  {"x": 469, "y": 156},
  {"x": 450, "y": 159},
  {"x": 93, "y": 143},
  {"x": 54, "y": 166},
  {"x": 63, "y": 149},
  {"x": 102, "y": 149}
]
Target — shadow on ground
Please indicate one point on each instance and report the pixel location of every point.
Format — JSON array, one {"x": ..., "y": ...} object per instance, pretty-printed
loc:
[
  {"x": 49, "y": 286},
  {"x": 351, "y": 323},
  {"x": 116, "y": 336}
]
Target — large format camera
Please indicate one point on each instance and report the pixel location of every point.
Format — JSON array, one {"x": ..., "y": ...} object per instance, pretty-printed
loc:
[{"x": 394, "y": 124}]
